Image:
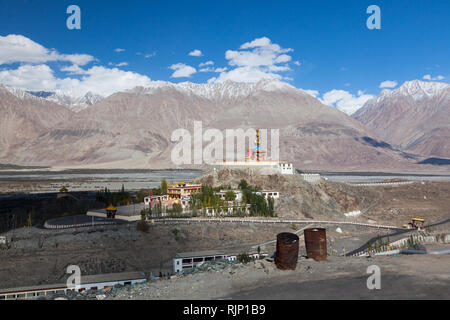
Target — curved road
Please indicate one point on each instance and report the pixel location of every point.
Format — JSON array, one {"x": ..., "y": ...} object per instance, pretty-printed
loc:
[
  {"x": 273, "y": 221},
  {"x": 394, "y": 235}
]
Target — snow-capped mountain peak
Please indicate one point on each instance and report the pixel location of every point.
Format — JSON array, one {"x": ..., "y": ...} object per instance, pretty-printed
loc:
[
  {"x": 19, "y": 93},
  {"x": 417, "y": 89},
  {"x": 73, "y": 102},
  {"x": 212, "y": 91}
]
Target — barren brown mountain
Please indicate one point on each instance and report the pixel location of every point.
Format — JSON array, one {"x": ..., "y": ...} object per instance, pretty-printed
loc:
[
  {"x": 133, "y": 129},
  {"x": 23, "y": 118},
  {"x": 414, "y": 118}
]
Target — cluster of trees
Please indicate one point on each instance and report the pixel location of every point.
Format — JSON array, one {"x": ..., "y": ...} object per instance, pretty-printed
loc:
[
  {"x": 259, "y": 206},
  {"x": 119, "y": 198},
  {"x": 159, "y": 191},
  {"x": 175, "y": 210},
  {"x": 206, "y": 199},
  {"x": 379, "y": 245}
]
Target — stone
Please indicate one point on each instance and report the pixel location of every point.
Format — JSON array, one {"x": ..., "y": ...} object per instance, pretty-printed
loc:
[{"x": 107, "y": 289}]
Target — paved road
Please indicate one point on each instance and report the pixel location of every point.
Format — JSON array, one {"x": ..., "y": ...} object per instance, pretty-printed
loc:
[
  {"x": 396, "y": 235},
  {"x": 392, "y": 287}
]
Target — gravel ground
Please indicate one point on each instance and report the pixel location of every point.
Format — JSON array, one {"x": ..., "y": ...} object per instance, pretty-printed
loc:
[{"x": 404, "y": 277}]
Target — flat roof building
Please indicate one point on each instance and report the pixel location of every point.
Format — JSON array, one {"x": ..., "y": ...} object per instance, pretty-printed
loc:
[
  {"x": 88, "y": 282},
  {"x": 182, "y": 189},
  {"x": 188, "y": 260},
  {"x": 269, "y": 193}
]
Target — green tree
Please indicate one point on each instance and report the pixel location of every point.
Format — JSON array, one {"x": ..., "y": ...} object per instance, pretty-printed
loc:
[
  {"x": 177, "y": 208},
  {"x": 244, "y": 258},
  {"x": 163, "y": 186},
  {"x": 243, "y": 184},
  {"x": 270, "y": 203},
  {"x": 230, "y": 195}
]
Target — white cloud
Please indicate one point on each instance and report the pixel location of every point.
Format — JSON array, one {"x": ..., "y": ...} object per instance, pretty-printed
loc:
[
  {"x": 297, "y": 63},
  {"x": 255, "y": 60},
  {"x": 207, "y": 63},
  {"x": 279, "y": 68},
  {"x": 108, "y": 81},
  {"x": 246, "y": 74},
  {"x": 149, "y": 55},
  {"x": 429, "y": 77},
  {"x": 196, "y": 53},
  {"x": 283, "y": 58},
  {"x": 33, "y": 74},
  {"x": 209, "y": 69},
  {"x": 388, "y": 84},
  {"x": 101, "y": 80},
  {"x": 221, "y": 69},
  {"x": 17, "y": 48},
  {"x": 121, "y": 64},
  {"x": 74, "y": 69},
  {"x": 259, "y": 42},
  {"x": 182, "y": 70},
  {"x": 119, "y": 50},
  {"x": 313, "y": 93},
  {"x": 345, "y": 101},
  {"x": 29, "y": 77}
]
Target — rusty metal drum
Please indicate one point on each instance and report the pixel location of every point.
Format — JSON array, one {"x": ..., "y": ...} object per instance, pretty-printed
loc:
[
  {"x": 316, "y": 243},
  {"x": 287, "y": 251}
]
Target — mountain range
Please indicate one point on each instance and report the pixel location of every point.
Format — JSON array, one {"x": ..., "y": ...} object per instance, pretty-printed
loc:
[
  {"x": 73, "y": 102},
  {"x": 415, "y": 117},
  {"x": 133, "y": 129}
]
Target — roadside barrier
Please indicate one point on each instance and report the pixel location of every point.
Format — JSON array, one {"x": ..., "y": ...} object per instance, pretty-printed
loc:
[
  {"x": 272, "y": 221},
  {"x": 378, "y": 184},
  {"x": 72, "y": 226}
]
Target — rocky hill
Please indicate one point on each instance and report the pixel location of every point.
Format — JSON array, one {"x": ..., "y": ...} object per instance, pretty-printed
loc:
[
  {"x": 415, "y": 117},
  {"x": 300, "y": 199},
  {"x": 133, "y": 129}
]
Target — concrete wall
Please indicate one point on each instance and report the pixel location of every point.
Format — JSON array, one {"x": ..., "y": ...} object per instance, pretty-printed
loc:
[
  {"x": 381, "y": 184},
  {"x": 310, "y": 177}
]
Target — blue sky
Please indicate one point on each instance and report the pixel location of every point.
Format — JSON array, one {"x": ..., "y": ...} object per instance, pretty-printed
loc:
[{"x": 328, "y": 39}]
